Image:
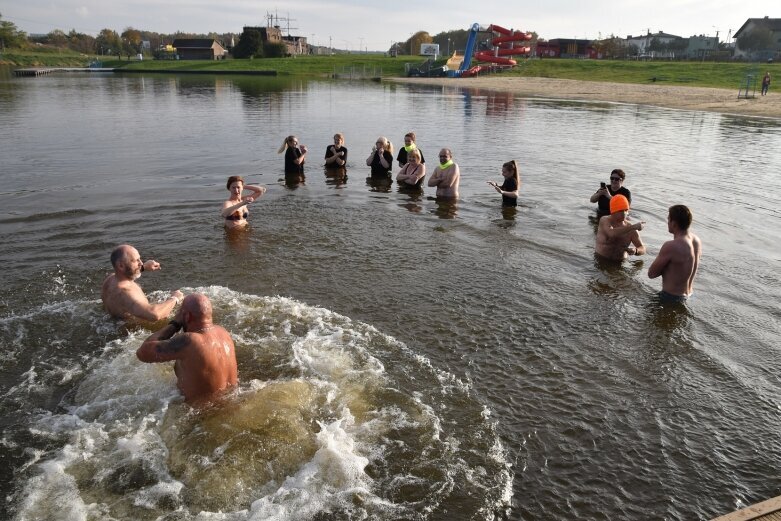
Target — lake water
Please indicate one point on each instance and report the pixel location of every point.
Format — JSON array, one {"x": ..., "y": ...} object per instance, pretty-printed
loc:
[{"x": 399, "y": 358}]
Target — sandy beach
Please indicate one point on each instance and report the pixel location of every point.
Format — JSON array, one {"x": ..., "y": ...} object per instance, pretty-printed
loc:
[{"x": 677, "y": 97}]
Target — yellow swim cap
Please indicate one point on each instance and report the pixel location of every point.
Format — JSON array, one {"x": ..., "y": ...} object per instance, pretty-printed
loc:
[{"x": 618, "y": 203}]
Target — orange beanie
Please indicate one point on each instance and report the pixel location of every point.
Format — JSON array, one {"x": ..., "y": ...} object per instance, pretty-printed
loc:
[{"x": 618, "y": 203}]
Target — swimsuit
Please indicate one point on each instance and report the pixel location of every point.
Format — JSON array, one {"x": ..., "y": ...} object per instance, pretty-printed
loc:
[
  {"x": 236, "y": 216},
  {"x": 669, "y": 298}
]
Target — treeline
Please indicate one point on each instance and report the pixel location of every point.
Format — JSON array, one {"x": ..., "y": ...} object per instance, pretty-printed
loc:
[{"x": 108, "y": 41}]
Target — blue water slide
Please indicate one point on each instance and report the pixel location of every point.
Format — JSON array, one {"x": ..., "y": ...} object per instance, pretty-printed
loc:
[{"x": 470, "y": 47}]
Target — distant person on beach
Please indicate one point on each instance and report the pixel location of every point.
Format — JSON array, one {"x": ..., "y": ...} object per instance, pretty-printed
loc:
[
  {"x": 123, "y": 297},
  {"x": 381, "y": 158},
  {"x": 234, "y": 210},
  {"x": 409, "y": 146},
  {"x": 606, "y": 192},
  {"x": 616, "y": 237},
  {"x": 412, "y": 173},
  {"x": 765, "y": 83},
  {"x": 336, "y": 154},
  {"x": 204, "y": 354},
  {"x": 510, "y": 186},
  {"x": 295, "y": 156},
  {"x": 446, "y": 176},
  {"x": 679, "y": 258}
]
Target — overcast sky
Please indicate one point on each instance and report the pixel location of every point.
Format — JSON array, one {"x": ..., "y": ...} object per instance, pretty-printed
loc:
[{"x": 356, "y": 24}]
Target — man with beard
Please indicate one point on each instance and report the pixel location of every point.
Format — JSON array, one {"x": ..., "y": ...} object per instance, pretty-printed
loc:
[{"x": 123, "y": 297}]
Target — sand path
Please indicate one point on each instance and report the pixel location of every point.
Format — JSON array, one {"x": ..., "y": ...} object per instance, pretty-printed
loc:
[{"x": 687, "y": 98}]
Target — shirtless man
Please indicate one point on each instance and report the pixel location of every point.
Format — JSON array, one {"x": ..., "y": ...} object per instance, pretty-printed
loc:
[
  {"x": 679, "y": 258},
  {"x": 204, "y": 353},
  {"x": 447, "y": 175},
  {"x": 616, "y": 237},
  {"x": 123, "y": 297}
]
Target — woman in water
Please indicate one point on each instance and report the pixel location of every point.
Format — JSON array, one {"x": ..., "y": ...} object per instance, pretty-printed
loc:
[
  {"x": 412, "y": 173},
  {"x": 336, "y": 154},
  {"x": 512, "y": 182},
  {"x": 606, "y": 192},
  {"x": 381, "y": 158},
  {"x": 409, "y": 146},
  {"x": 234, "y": 210},
  {"x": 295, "y": 155}
]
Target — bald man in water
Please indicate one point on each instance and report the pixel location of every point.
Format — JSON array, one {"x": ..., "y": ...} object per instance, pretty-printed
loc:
[
  {"x": 204, "y": 354},
  {"x": 121, "y": 294}
]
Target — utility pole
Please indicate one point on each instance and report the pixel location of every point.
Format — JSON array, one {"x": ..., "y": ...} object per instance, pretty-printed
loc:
[{"x": 360, "y": 44}]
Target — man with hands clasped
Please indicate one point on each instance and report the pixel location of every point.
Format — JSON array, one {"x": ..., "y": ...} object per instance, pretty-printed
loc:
[{"x": 123, "y": 297}]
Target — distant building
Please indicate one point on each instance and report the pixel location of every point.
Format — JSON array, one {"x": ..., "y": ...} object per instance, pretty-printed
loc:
[
  {"x": 701, "y": 47},
  {"x": 293, "y": 44},
  {"x": 199, "y": 49},
  {"x": 772, "y": 24},
  {"x": 565, "y": 48},
  {"x": 643, "y": 43}
]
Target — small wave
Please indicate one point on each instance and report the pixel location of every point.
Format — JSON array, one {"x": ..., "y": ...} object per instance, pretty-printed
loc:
[
  {"x": 331, "y": 416},
  {"x": 52, "y": 216}
]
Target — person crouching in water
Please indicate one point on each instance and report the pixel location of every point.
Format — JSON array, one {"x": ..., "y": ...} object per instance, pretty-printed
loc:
[{"x": 616, "y": 237}]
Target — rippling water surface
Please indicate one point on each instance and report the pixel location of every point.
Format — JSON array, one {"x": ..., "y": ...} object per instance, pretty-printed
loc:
[{"x": 399, "y": 358}]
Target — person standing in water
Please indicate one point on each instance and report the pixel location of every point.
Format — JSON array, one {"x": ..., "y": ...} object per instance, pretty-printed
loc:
[
  {"x": 295, "y": 156},
  {"x": 204, "y": 353},
  {"x": 336, "y": 154},
  {"x": 234, "y": 210},
  {"x": 511, "y": 184},
  {"x": 412, "y": 173},
  {"x": 446, "y": 176},
  {"x": 123, "y": 297},
  {"x": 381, "y": 158},
  {"x": 617, "y": 237},
  {"x": 409, "y": 146},
  {"x": 679, "y": 258},
  {"x": 765, "y": 83},
  {"x": 606, "y": 192}
]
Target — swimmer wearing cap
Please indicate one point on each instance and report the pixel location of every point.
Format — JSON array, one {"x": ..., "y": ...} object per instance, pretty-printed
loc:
[{"x": 617, "y": 238}]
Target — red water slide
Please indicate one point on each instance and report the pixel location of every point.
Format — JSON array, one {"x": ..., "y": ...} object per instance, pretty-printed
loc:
[{"x": 505, "y": 45}]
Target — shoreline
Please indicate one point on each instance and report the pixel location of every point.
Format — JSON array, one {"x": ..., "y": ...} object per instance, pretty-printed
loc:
[{"x": 707, "y": 99}]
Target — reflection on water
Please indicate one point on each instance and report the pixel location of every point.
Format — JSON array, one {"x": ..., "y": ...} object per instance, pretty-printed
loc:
[
  {"x": 379, "y": 183},
  {"x": 336, "y": 177},
  {"x": 293, "y": 181},
  {"x": 516, "y": 345}
]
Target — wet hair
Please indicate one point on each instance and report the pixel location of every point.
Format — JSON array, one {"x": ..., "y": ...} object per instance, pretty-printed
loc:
[
  {"x": 340, "y": 136},
  {"x": 414, "y": 153},
  {"x": 682, "y": 216},
  {"x": 512, "y": 166},
  {"x": 410, "y": 135},
  {"x": 233, "y": 179},
  {"x": 388, "y": 144},
  {"x": 620, "y": 173},
  {"x": 285, "y": 144}
]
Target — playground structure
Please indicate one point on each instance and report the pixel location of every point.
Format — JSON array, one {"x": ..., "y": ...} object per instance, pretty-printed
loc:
[{"x": 506, "y": 45}]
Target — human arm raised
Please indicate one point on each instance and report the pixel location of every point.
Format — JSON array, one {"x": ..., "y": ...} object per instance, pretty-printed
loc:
[
  {"x": 161, "y": 347},
  {"x": 138, "y": 305},
  {"x": 599, "y": 193}
]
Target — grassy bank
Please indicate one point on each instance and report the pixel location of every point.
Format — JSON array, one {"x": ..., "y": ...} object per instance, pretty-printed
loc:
[
  {"x": 694, "y": 74},
  {"x": 372, "y": 64},
  {"x": 44, "y": 58}
]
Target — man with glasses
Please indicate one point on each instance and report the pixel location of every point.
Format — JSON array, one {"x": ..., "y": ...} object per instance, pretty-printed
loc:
[
  {"x": 606, "y": 192},
  {"x": 446, "y": 176}
]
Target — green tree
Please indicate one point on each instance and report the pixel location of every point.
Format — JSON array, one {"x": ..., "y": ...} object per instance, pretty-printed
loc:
[
  {"x": 412, "y": 46},
  {"x": 81, "y": 42},
  {"x": 108, "y": 42},
  {"x": 250, "y": 44},
  {"x": 132, "y": 39},
  {"x": 10, "y": 36},
  {"x": 57, "y": 38},
  {"x": 274, "y": 49}
]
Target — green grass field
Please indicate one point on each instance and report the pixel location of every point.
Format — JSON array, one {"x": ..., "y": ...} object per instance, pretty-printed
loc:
[{"x": 695, "y": 74}]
